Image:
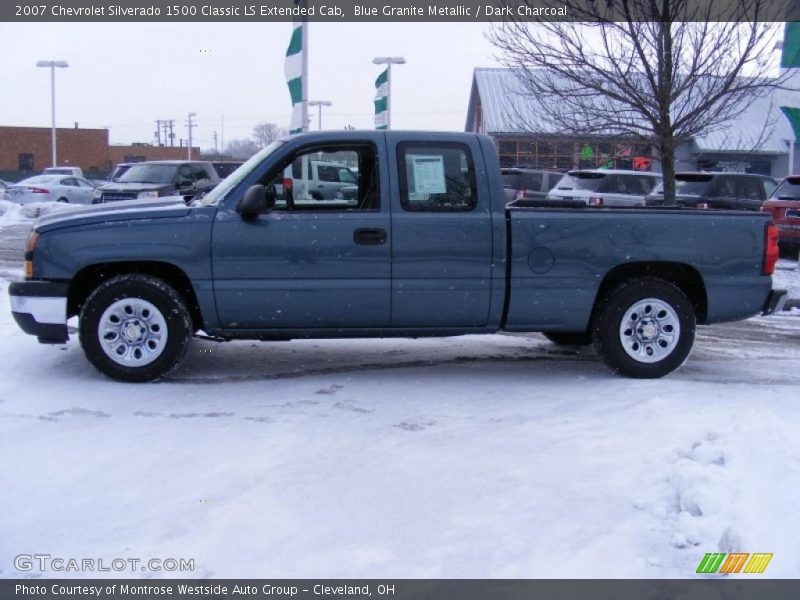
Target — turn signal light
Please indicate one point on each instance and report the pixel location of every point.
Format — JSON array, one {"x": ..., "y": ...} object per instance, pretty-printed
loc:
[{"x": 28, "y": 267}]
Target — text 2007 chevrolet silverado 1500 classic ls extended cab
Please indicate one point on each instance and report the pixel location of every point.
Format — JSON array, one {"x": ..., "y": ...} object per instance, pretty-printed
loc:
[{"x": 423, "y": 245}]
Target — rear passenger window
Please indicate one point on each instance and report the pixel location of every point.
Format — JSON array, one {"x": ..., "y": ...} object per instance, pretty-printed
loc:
[
  {"x": 532, "y": 181},
  {"x": 436, "y": 177},
  {"x": 753, "y": 189},
  {"x": 724, "y": 187}
]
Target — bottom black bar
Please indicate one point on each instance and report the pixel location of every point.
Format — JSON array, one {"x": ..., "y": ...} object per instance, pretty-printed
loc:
[{"x": 718, "y": 588}]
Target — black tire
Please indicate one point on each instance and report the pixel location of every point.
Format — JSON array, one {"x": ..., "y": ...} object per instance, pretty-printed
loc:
[
  {"x": 676, "y": 330},
  {"x": 169, "y": 328},
  {"x": 569, "y": 338},
  {"x": 63, "y": 200}
]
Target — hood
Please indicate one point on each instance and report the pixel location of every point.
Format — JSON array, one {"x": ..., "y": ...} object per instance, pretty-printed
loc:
[
  {"x": 128, "y": 210},
  {"x": 133, "y": 186}
]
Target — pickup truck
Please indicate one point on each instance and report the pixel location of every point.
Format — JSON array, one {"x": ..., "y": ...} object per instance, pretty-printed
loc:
[{"x": 426, "y": 247}]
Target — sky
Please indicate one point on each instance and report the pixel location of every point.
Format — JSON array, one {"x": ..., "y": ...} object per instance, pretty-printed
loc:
[{"x": 125, "y": 76}]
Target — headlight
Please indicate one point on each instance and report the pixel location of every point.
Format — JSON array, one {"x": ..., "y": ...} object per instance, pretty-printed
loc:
[{"x": 97, "y": 194}]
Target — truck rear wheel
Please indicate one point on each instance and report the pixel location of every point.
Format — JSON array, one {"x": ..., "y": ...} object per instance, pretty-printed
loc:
[
  {"x": 644, "y": 328},
  {"x": 135, "y": 328}
]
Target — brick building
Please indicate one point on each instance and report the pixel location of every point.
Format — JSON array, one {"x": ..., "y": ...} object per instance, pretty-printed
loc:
[{"x": 27, "y": 150}]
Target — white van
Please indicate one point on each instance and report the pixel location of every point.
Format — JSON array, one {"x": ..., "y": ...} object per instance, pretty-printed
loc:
[{"x": 325, "y": 180}]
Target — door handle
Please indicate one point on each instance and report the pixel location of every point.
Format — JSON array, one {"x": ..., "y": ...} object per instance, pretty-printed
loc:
[{"x": 369, "y": 237}]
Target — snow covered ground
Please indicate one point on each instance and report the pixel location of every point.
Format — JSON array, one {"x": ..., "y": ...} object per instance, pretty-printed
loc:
[{"x": 490, "y": 456}]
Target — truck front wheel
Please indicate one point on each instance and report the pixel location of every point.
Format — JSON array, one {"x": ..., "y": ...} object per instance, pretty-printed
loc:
[
  {"x": 135, "y": 328},
  {"x": 644, "y": 328}
]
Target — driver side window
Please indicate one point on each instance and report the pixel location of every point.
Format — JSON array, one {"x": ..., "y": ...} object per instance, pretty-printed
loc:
[{"x": 338, "y": 178}]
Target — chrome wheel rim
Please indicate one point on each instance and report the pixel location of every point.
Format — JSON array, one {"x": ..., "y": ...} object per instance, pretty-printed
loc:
[
  {"x": 132, "y": 332},
  {"x": 649, "y": 330}
]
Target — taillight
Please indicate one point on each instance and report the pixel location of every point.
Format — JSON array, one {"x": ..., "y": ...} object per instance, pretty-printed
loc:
[
  {"x": 770, "y": 249},
  {"x": 38, "y": 191},
  {"x": 288, "y": 184},
  {"x": 596, "y": 201}
]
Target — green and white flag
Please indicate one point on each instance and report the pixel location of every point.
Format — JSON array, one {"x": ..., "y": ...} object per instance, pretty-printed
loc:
[
  {"x": 789, "y": 100},
  {"x": 293, "y": 70},
  {"x": 382, "y": 100}
]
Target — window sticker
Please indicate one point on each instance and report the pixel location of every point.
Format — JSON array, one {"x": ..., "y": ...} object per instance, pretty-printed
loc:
[{"x": 428, "y": 174}]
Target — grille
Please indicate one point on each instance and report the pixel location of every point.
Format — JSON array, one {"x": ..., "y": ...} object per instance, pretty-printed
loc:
[{"x": 118, "y": 196}]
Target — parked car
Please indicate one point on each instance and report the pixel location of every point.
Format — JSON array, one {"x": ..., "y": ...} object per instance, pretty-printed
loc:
[
  {"x": 605, "y": 187},
  {"x": 226, "y": 167},
  {"x": 151, "y": 179},
  {"x": 732, "y": 191},
  {"x": 51, "y": 188},
  {"x": 74, "y": 171},
  {"x": 524, "y": 183},
  {"x": 119, "y": 171},
  {"x": 430, "y": 247},
  {"x": 784, "y": 206},
  {"x": 325, "y": 180}
]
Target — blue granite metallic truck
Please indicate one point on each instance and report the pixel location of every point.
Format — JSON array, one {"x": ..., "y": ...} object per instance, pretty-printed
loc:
[{"x": 421, "y": 244}]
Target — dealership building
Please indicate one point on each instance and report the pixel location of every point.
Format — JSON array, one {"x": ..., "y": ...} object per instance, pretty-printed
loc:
[
  {"x": 757, "y": 141},
  {"x": 27, "y": 150}
]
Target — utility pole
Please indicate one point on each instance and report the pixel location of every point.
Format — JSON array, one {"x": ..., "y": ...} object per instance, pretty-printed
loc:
[
  {"x": 190, "y": 125},
  {"x": 171, "y": 123},
  {"x": 216, "y": 148},
  {"x": 158, "y": 133}
]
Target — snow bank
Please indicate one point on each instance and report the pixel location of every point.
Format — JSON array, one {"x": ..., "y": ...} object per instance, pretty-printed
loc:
[
  {"x": 12, "y": 213},
  {"x": 478, "y": 456}
]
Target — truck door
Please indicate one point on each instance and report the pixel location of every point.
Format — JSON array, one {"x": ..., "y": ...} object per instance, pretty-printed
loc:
[
  {"x": 309, "y": 263},
  {"x": 441, "y": 233}
]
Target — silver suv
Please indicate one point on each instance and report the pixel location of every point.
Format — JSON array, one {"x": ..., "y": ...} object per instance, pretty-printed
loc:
[{"x": 605, "y": 187}]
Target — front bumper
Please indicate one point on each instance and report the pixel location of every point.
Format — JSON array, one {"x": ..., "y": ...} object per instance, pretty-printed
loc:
[
  {"x": 775, "y": 302},
  {"x": 40, "y": 309}
]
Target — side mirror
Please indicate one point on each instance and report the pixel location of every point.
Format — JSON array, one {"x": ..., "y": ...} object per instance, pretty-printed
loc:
[{"x": 257, "y": 199}]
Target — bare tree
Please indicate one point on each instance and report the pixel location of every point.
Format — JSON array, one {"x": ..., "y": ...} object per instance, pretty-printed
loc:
[
  {"x": 237, "y": 148},
  {"x": 663, "y": 71},
  {"x": 266, "y": 133}
]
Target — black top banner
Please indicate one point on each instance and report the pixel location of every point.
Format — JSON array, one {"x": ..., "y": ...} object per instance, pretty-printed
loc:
[{"x": 395, "y": 10}]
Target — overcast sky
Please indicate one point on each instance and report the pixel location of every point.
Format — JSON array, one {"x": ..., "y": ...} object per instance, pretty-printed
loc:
[{"x": 126, "y": 76}]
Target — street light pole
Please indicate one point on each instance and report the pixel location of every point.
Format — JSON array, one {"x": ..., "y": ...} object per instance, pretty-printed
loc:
[
  {"x": 319, "y": 104},
  {"x": 52, "y": 64},
  {"x": 189, "y": 124},
  {"x": 388, "y": 61}
]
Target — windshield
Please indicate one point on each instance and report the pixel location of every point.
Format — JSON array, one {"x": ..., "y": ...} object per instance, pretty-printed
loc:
[
  {"x": 789, "y": 189},
  {"x": 225, "y": 169},
  {"x": 227, "y": 184},
  {"x": 577, "y": 180},
  {"x": 152, "y": 173},
  {"x": 52, "y": 171},
  {"x": 118, "y": 172},
  {"x": 692, "y": 185}
]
